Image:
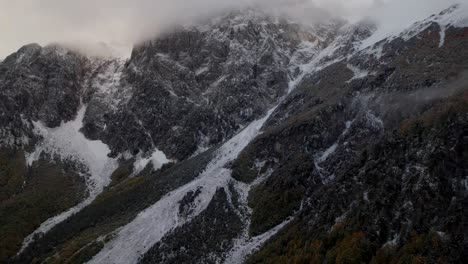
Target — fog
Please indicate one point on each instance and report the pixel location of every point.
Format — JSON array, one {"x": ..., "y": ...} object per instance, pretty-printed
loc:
[{"x": 97, "y": 25}]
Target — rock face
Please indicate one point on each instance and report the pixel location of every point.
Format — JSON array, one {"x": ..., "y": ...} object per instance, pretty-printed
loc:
[
  {"x": 38, "y": 84},
  {"x": 245, "y": 138},
  {"x": 198, "y": 86}
]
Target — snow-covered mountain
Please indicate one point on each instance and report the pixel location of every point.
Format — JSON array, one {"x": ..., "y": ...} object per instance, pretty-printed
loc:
[{"x": 243, "y": 138}]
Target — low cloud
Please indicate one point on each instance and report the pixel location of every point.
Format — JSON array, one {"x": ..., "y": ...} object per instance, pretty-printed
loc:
[{"x": 120, "y": 23}]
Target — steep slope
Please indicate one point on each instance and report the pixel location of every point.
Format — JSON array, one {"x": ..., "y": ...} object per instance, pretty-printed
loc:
[
  {"x": 244, "y": 138},
  {"x": 122, "y": 102},
  {"x": 43, "y": 91},
  {"x": 41, "y": 84},
  {"x": 196, "y": 87},
  {"x": 370, "y": 154}
]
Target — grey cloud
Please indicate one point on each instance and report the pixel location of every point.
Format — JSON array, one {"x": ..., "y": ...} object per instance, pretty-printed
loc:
[{"x": 120, "y": 23}]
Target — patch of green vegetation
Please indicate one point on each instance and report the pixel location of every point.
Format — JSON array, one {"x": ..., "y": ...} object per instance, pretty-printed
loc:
[
  {"x": 344, "y": 246},
  {"x": 270, "y": 206},
  {"x": 79, "y": 250},
  {"x": 243, "y": 169},
  {"x": 339, "y": 246},
  {"x": 122, "y": 172},
  {"x": 420, "y": 248},
  {"x": 115, "y": 207},
  {"x": 441, "y": 114},
  {"x": 45, "y": 190},
  {"x": 85, "y": 254},
  {"x": 12, "y": 172}
]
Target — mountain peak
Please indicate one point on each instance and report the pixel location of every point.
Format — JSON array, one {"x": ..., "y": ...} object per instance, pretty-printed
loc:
[
  {"x": 243, "y": 138},
  {"x": 25, "y": 53}
]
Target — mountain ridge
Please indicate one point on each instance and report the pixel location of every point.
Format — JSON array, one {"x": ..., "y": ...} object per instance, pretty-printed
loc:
[{"x": 249, "y": 122}]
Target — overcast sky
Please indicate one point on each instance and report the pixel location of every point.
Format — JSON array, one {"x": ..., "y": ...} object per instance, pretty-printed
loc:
[{"x": 120, "y": 23}]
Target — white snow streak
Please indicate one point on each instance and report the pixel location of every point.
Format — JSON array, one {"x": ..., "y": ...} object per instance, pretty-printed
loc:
[
  {"x": 245, "y": 245},
  {"x": 327, "y": 153},
  {"x": 68, "y": 143},
  {"x": 150, "y": 226},
  {"x": 358, "y": 73},
  {"x": 442, "y": 36},
  {"x": 241, "y": 251},
  {"x": 314, "y": 63},
  {"x": 108, "y": 86},
  {"x": 306, "y": 59},
  {"x": 157, "y": 159}
]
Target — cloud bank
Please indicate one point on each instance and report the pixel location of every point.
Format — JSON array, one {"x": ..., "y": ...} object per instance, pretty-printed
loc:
[{"x": 96, "y": 25}]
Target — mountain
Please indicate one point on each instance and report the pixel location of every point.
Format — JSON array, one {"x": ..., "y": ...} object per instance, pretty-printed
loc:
[{"x": 245, "y": 138}]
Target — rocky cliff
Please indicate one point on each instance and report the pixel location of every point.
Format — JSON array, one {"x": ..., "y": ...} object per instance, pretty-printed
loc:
[{"x": 246, "y": 138}]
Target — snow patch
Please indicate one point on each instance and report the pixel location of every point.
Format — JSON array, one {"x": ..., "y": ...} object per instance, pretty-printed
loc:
[
  {"x": 358, "y": 73},
  {"x": 373, "y": 120},
  {"x": 365, "y": 196},
  {"x": 20, "y": 58},
  {"x": 67, "y": 143},
  {"x": 328, "y": 152},
  {"x": 393, "y": 242},
  {"x": 157, "y": 159},
  {"x": 442, "y": 235},
  {"x": 376, "y": 51}
]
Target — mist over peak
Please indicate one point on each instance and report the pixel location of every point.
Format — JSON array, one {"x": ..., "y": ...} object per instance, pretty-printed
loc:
[{"x": 121, "y": 23}]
